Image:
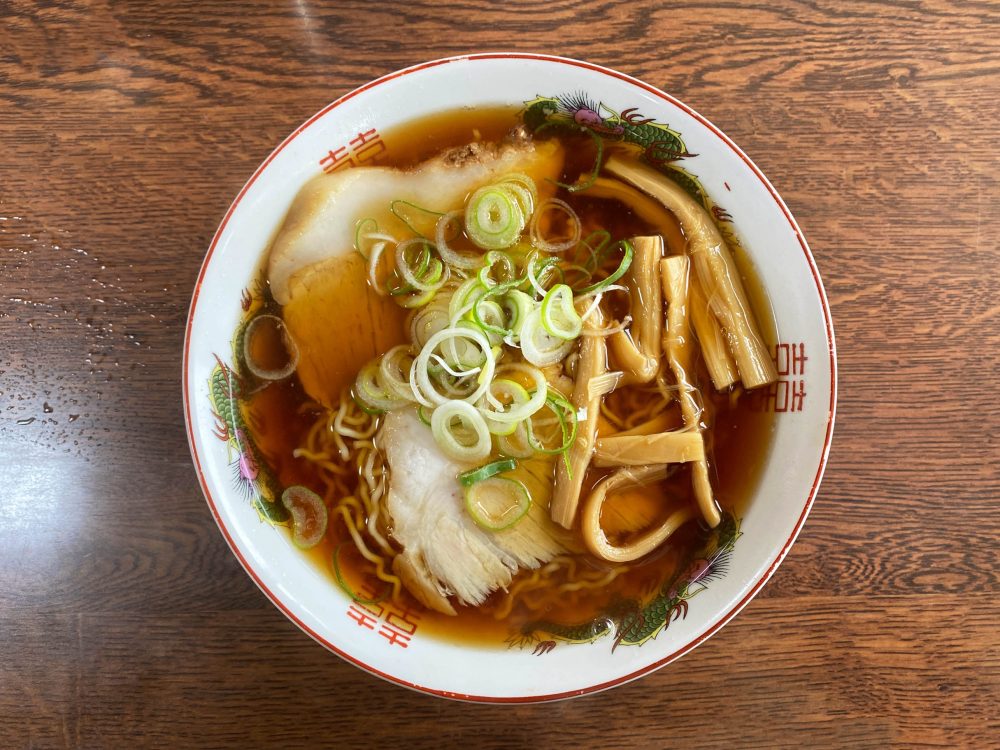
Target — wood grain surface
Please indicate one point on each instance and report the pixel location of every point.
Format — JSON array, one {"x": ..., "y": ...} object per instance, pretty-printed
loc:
[{"x": 128, "y": 127}]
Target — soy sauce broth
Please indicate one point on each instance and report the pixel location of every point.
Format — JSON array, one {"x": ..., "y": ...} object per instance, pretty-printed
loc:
[{"x": 281, "y": 415}]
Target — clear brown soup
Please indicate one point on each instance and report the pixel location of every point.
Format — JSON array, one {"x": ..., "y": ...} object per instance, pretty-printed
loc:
[{"x": 280, "y": 414}]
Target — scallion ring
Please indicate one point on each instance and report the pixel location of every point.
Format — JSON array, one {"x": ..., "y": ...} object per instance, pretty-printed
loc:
[
  {"x": 371, "y": 392},
  {"x": 493, "y": 218},
  {"x": 627, "y": 253},
  {"x": 423, "y": 272},
  {"x": 451, "y": 336},
  {"x": 538, "y": 346},
  {"x": 374, "y": 256},
  {"x": 393, "y": 369},
  {"x": 516, "y": 444},
  {"x": 471, "y": 477},
  {"x": 575, "y": 227},
  {"x": 497, "y": 503},
  {"x": 538, "y": 268},
  {"x": 522, "y": 403},
  {"x": 524, "y": 190},
  {"x": 504, "y": 265},
  {"x": 460, "y": 431},
  {"x": 309, "y": 515},
  {"x": 565, "y": 417},
  {"x": 362, "y": 231},
  {"x": 398, "y": 209},
  {"x": 517, "y": 304},
  {"x": 462, "y": 298},
  {"x": 507, "y": 403},
  {"x": 558, "y": 316},
  {"x": 448, "y": 255},
  {"x": 342, "y": 582}
]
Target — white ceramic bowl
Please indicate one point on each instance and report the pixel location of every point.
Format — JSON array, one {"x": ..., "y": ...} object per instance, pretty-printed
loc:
[{"x": 805, "y": 395}]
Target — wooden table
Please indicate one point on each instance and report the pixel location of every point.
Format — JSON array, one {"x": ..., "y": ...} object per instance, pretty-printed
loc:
[{"x": 126, "y": 130}]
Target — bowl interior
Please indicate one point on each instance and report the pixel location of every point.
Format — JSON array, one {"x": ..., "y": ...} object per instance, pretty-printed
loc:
[{"x": 803, "y": 399}]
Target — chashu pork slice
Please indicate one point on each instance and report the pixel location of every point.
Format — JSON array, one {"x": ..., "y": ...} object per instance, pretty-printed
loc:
[
  {"x": 322, "y": 220},
  {"x": 445, "y": 554}
]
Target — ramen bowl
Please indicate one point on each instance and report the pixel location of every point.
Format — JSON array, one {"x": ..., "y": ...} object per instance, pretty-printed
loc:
[{"x": 387, "y": 640}]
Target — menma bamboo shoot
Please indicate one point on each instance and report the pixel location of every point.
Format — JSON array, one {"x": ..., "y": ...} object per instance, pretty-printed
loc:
[
  {"x": 637, "y": 353},
  {"x": 678, "y": 345},
  {"x": 719, "y": 362},
  {"x": 714, "y": 266}
]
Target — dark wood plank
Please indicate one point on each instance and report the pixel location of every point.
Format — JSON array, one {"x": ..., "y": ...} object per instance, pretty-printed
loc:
[
  {"x": 242, "y": 674},
  {"x": 127, "y": 128}
]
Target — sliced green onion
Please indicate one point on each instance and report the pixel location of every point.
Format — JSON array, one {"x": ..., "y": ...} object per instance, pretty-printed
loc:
[
  {"x": 489, "y": 316},
  {"x": 627, "y": 253},
  {"x": 424, "y": 272},
  {"x": 460, "y": 431},
  {"x": 497, "y": 503},
  {"x": 507, "y": 270},
  {"x": 493, "y": 218},
  {"x": 398, "y": 290},
  {"x": 455, "y": 389},
  {"x": 415, "y": 383},
  {"x": 374, "y": 256},
  {"x": 538, "y": 346},
  {"x": 524, "y": 190},
  {"x": 558, "y": 316},
  {"x": 516, "y": 444},
  {"x": 426, "y": 322},
  {"x": 362, "y": 230},
  {"x": 424, "y": 298},
  {"x": 309, "y": 515},
  {"x": 457, "y": 374},
  {"x": 501, "y": 387},
  {"x": 448, "y": 255},
  {"x": 518, "y": 305},
  {"x": 520, "y": 178},
  {"x": 538, "y": 267},
  {"x": 370, "y": 392},
  {"x": 468, "y": 352},
  {"x": 471, "y": 477},
  {"x": 463, "y": 297},
  {"x": 365, "y": 407},
  {"x": 502, "y": 416},
  {"x": 393, "y": 371},
  {"x": 291, "y": 349},
  {"x": 342, "y": 582},
  {"x": 522, "y": 404},
  {"x": 564, "y": 416},
  {"x": 398, "y": 208},
  {"x": 574, "y": 268},
  {"x": 555, "y": 247}
]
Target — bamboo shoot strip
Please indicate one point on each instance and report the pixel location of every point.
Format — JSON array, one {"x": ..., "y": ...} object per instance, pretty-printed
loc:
[
  {"x": 714, "y": 266},
  {"x": 591, "y": 364},
  {"x": 712, "y": 341},
  {"x": 714, "y": 348},
  {"x": 650, "y": 211},
  {"x": 679, "y": 347},
  {"x": 593, "y": 534},
  {"x": 660, "y": 423},
  {"x": 639, "y": 450},
  {"x": 638, "y": 354}
]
